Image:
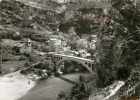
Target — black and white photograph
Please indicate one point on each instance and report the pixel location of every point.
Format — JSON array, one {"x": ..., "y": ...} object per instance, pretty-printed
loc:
[{"x": 69, "y": 49}]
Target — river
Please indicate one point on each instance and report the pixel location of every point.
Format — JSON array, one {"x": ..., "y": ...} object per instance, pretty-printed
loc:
[
  {"x": 49, "y": 89},
  {"x": 16, "y": 86}
]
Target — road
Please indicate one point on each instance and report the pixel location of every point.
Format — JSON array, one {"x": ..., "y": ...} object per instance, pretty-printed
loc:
[{"x": 49, "y": 89}]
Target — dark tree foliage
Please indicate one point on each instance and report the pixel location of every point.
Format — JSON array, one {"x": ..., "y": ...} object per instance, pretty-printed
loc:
[
  {"x": 118, "y": 43},
  {"x": 83, "y": 21}
]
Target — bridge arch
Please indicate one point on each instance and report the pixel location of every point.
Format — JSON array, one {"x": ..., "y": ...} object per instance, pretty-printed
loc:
[{"x": 85, "y": 65}]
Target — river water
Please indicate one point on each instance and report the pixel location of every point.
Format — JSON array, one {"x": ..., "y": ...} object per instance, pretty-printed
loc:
[
  {"x": 49, "y": 89},
  {"x": 16, "y": 86}
]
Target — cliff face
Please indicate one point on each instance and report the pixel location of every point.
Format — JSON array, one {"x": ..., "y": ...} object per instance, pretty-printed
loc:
[
  {"x": 45, "y": 13},
  {"x": 18, "y": 16}
]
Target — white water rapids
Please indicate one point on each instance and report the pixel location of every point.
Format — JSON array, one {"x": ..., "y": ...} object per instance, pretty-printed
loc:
[
  {"x": 108, "y": 92},
  {"x": 15, "y": 85}
]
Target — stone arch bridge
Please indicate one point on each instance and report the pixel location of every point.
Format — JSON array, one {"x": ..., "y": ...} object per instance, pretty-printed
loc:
[{"x": 59, "y": 58}]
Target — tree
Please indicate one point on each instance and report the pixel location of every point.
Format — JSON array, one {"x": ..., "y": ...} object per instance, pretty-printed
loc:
[
  {"x": 0, "y": 57},
  {"x": 117, "y": 45}
]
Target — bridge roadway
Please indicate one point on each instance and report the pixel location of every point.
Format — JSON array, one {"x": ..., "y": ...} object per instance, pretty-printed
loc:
[{"x": 70, "y": 56}]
